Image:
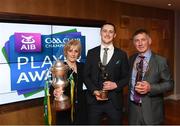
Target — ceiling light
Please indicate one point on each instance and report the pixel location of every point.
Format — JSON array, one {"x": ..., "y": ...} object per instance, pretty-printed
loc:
[{"x": 169, "y": 4}]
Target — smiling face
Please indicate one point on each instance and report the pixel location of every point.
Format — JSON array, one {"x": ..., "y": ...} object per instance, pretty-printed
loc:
[
  {"x": 72, "y": 50},
  {"x": 142, "y": 42},
  {"x": 107, "y": 34},
  {"x": 73, "y": 53}
]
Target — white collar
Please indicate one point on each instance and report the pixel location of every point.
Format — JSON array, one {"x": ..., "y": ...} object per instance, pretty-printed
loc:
[{"x": 110, "y": 46}]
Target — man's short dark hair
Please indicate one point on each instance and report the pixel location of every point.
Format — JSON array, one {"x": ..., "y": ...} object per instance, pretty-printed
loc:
[
  {"x": 107, "y": 23},
  {"x": 140, "y": 31}
]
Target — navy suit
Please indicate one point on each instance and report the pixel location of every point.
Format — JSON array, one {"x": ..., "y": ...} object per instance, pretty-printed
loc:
[{"x": 118, "y": 69}]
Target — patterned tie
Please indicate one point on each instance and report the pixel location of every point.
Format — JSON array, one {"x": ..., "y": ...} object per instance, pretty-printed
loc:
[
  {"x": 139, "y": 76},
  {"x": 104, "y": 62}
]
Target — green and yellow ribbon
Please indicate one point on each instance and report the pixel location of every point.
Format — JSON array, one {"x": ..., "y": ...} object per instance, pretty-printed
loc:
[
  {"x": 47, "y": 105},
  {"x": 71, "y": 79}
]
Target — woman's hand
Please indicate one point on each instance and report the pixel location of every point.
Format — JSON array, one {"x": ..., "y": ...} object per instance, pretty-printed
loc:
[{"x": 58, "y": 91}]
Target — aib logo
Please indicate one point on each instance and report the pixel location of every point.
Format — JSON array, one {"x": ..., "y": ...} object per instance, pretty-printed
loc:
[{"x": 27, "y": 42}]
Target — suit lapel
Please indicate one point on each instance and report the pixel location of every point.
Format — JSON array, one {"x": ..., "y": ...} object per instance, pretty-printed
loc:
[
  {"x": 98, "y": 53},
  {"x": 97, "y": 58},
  {"x": 113, "y": 59},
  {"x": 132, "y": 60}
]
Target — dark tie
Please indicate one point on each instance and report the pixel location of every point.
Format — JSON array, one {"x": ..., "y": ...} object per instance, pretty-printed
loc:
[
  {"x": 139, "y": 75},
  {"x": 104, "y": 62}
]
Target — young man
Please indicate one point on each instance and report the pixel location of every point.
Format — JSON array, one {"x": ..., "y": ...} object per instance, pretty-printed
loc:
[
  {"x": 114, "y": 64},
  {"x": 150, "y": 78}
]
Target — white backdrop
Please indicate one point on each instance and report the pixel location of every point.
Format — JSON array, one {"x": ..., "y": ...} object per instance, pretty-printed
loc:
[{"x": 8, "y": 29}]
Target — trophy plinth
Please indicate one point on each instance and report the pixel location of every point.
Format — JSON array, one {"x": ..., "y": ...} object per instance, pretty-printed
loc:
[
  {"x": 59, "y": 74},
  {"x": 105, "y": 77}
]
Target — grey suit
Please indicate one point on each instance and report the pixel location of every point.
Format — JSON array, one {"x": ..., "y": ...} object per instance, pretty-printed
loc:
[{"x": 158, "y": 75}]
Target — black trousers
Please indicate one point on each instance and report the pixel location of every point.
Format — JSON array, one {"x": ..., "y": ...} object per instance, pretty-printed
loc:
[
  {"x": 80, "y": 115},
  {"x": 96, "y": 112}
]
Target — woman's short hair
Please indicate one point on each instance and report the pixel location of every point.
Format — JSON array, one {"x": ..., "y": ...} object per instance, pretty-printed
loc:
[{"x": 72, "y": 43}]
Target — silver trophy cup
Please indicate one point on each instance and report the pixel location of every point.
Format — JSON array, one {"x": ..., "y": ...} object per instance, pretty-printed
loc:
[{"x": 59, "y": 74}]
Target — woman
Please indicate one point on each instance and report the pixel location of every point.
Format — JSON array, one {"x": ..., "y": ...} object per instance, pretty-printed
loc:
[{"x": 72, "y": 51}]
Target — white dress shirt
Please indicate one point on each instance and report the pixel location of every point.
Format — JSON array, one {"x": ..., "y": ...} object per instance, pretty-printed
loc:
[{"x": 109, "y": 52}]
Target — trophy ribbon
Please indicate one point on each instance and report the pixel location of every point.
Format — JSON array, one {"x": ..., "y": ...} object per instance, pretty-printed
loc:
[{"x": 71, "y": 79}]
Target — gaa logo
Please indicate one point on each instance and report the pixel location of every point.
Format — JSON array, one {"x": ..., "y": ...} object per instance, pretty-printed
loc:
[{"x": 27, "y": 42}]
